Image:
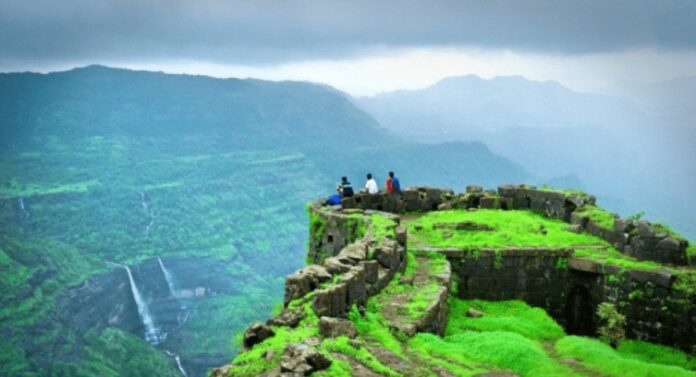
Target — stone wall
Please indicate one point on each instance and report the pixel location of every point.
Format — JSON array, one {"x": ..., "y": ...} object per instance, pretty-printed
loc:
[
  {"x": 537, "y": 276},
  {"x": 639, "y": 239},
  {"x": 349, "y": 264},
  {"x": 570, "y": 289},
  {"x": 330, "y": 231},
  {"x": 419, "y": 199}
]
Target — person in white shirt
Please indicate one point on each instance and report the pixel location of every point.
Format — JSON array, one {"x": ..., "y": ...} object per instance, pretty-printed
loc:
[{"x": 371, "y": 185}]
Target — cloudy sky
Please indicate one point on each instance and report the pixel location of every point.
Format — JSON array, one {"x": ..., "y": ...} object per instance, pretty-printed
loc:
[{"x": 361, "y": 46}]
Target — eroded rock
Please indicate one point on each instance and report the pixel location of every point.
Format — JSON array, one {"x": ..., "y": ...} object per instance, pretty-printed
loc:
[
  {"x": 303, "y": 360},
  {"x": 256, "y": 334},
  {"x": 331, "y": 327}
]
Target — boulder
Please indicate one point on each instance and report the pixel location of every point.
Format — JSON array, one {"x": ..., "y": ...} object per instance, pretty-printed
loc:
[
  {"x": 387, "y": 254},
  {"x": 645, "y": 230},
  {"x": 371, "y": 271},
  {"x": 303, "y": 360},
  {"x": 222, "y": 371},
  {"x": 256, "y": 334},
  {"x": 473, "y": 313},
  {"x": 335, "y": 266},
  {"x": 471, "y": 189},
  {"x": 669, "y": 244},
  {"x": 444, "y": 207},
  {"x": 575, "y": 228},
  {"x": 330, "y": 327},
  {"x": 354, "y": 252},
  {"x": 401, "y": 235},
  {"x": 288, "y": 318},
  {"x": 304, "y": 281}
]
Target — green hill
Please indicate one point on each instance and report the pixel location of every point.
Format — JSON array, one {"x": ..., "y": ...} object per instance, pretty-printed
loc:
[{"x": 105, "y": 165}]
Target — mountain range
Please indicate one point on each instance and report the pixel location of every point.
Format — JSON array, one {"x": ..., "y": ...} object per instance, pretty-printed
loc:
[
  {"x": 631, "y": 144},
  {"x": 145, "y": 218}
]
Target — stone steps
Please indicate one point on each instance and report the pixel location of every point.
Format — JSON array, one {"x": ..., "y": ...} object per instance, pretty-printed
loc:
[{"x": 419, "y": 303}]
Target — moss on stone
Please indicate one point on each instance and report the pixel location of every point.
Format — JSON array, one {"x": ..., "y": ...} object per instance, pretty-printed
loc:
[{"x": 598, "y": 216}]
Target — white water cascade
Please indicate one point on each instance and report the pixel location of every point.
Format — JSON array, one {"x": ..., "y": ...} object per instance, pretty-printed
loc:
[
  {"x": 22, "y": 208},
  {"x": 168, "y": 277},
  {"x": 183, "y": 314},
  {"x": 152, "y": 333},
  {"x": 178, "y": 363},
  {"x": 147, "y": 209}
]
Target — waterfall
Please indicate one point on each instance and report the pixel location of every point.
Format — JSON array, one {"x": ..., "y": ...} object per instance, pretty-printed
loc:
[
  {"x": 22, "y": 208},
  {"x": 152, "y": 334},
  {"x": 142, "y": 200},
  {"x": 168, "y": 277},
  {"x": 178, "y": 362},
  {"x": 147, "y": 209}
]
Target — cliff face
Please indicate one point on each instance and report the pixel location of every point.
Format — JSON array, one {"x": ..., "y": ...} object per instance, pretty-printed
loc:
[{"x": 387, "y": 269}]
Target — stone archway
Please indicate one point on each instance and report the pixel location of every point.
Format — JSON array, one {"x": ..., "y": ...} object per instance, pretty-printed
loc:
[{"x": 580, "y": 318}]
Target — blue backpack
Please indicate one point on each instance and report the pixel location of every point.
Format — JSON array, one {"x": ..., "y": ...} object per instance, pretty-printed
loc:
[
  {"x": 396, "y": 186},
  {"x": 334, "y": 200}
]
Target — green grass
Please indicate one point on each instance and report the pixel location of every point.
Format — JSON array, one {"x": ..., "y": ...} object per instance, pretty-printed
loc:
[
  {"x": 603, "y": 359},
  {"x": 656, "y": 354},
  {"x": 382, "y": 226},
  {"x": 547, "y": 188},
  {"x": 512, "y": 316},
  {"x": 499, "y": 349},
  {"x": 338, "y": 368},
  {"x": 510, "y": 229},
  {"x": 419, "y": 301},
  {"x": 691, "y": 254},
  {"x": 611, "y": 256},
  {"x": 361, "y": 354},
  {"x": 252, "y": 362},
  {"x": 599, "y": 216},
  {"x": 373, "y": 326}
]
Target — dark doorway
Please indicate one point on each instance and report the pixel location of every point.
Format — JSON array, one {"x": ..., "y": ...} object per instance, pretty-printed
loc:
[
  {"x": 568, "y": 208},
  {"x": 580, "y": 312}
]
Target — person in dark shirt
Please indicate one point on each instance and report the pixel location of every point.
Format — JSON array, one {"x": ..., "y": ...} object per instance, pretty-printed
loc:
[{"x": 345, "y": 188}]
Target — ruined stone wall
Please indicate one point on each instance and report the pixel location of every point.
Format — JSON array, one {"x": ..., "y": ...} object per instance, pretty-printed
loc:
[
  {"x": 419, "y": 199},
  {"x": 330, "y": 231},
  {"x": 570, "y": 289},
  {"x": 657, "y": 309},
  {"x": 639, "y": 239},
  {"x": 349, "y": 265}
]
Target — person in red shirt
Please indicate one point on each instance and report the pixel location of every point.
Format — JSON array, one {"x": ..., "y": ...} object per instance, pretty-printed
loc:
[{"x": 393, "y": 184}]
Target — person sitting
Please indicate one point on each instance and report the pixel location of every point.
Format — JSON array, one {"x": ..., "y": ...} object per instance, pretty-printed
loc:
[
  {"x": 393, "y": 184},
  {"x": 345, "y": 188},
  {"x": 371, "y": 185}
]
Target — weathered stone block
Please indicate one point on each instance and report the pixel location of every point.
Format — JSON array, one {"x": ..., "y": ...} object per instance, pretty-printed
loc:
[
  {"x": 303, "y": 281},
  {"x": 371, "y": 271},
  {"x": 330, "y": 327}
]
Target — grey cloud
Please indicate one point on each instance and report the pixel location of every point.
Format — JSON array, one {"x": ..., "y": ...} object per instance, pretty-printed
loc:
[{"x": 263, "y": 31}]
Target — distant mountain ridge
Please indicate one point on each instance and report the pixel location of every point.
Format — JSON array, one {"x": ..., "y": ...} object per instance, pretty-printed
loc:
[
  {"x": 455, "y": 104},
  {"x": 618, "y": 142}
]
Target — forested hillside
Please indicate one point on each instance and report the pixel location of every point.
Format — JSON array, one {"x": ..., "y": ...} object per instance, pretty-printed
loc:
[{"x": 103, "y": 167}]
